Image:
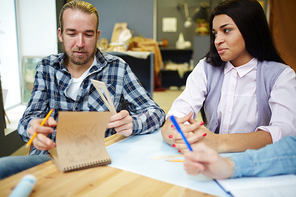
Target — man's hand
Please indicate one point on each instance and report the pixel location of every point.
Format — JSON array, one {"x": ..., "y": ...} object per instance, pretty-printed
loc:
[
  {"x": 122, "y": 123},
  {"x": 41, "y": 141},
  {"x": 208, "y": 162}
]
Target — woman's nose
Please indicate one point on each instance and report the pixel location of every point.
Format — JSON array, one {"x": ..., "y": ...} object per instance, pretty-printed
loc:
[{"x": 219, "y": 39}]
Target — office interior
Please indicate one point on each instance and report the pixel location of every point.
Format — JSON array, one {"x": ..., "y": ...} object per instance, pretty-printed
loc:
[{"x": 28, "y": 32}]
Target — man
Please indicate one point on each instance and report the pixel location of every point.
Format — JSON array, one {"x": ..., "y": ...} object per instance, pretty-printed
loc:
[
  {"x": 62, "y": 83},
  {"x": 274, "y": 159}
]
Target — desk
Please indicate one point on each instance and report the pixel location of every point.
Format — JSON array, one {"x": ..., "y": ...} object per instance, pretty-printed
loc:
[{"x": 99, "y": 181}]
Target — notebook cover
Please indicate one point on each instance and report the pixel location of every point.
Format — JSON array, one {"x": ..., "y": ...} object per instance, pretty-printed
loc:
[{"x": 80, "y": 140}]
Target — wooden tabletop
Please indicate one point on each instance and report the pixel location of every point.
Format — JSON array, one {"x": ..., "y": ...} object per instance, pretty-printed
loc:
[{"x": 98, "y": 181}]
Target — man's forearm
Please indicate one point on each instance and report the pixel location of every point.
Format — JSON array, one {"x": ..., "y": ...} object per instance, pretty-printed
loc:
[{"x": 274, "y": 159}]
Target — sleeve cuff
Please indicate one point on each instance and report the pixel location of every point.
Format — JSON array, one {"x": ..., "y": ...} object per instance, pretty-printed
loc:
[
  {"x": 274, "y": 131},
  {"x": 243, "y": 165}
]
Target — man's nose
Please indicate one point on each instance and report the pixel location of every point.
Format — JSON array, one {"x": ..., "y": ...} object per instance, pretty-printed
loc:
[{"x": 80, "y": 41}]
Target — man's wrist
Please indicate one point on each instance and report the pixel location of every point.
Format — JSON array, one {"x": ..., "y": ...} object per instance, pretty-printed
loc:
[{"x": 231, "y": 167}]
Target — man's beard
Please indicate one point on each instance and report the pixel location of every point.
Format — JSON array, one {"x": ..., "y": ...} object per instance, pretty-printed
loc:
[{"x": 80, "y": 61}]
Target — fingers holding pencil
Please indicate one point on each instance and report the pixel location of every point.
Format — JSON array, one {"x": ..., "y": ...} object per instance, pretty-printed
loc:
[
  {"x": 192, "y": 139},
  {"x": 39, "y": 129}
]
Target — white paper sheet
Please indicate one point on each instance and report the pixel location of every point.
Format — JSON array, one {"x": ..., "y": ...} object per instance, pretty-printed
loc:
[
  {"x": 135, "y": 155},
  {"x": 284, "y": 185}
]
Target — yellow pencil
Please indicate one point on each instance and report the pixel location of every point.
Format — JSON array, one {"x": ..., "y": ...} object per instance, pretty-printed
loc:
[
  {"x": 175, "y": 160},
  {"x": 45, "y": 119}
]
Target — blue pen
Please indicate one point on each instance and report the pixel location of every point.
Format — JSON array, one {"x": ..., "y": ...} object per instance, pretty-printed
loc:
[{"x": 172, "y": 118}]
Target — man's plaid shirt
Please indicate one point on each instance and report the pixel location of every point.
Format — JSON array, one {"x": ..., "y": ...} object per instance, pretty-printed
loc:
[{"x": 52, "y": 80}]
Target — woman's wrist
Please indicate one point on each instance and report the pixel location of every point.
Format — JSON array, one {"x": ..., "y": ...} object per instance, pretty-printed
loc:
[{"x": 167, "y": 132}]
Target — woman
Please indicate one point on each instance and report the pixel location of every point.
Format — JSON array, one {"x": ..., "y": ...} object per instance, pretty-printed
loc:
[{"x": 247, "y": 92}]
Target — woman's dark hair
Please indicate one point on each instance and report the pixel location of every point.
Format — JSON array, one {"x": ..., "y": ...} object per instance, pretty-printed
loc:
[{"x": 250, "y": 19}]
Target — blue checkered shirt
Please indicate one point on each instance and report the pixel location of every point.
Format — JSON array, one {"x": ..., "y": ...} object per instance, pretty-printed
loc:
[{"x": 52, "y": 80}]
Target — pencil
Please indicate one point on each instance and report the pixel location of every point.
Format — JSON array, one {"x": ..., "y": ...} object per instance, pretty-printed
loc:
[
  {"x": 172, "y": 118},
  {"x": 45, "y": 119},
  {"x": 175, "y": 160}
]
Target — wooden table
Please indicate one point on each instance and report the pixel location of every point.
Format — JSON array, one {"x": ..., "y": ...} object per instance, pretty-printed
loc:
[{"x": 99, "y": 181}]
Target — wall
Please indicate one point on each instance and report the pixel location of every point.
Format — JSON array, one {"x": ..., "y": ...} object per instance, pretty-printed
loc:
[
  {"x": 169, "y": 8},
  {"x": 137, "y": 13},
  {"x": 283, "y": 18},
  {"x": 139, "y": 16},
  {"x": 37, "y": 27}
]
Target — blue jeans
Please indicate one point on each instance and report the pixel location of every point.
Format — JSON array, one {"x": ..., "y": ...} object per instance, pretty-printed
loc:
[{"x": 14, "y": 164}]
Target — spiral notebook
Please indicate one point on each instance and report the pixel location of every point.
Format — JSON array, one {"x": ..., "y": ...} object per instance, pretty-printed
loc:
[{"x": 80, "y": 140}]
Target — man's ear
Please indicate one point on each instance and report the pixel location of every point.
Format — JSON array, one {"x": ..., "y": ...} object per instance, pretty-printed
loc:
[
  {"x": 60, "y": 34},
  {"x": 99, "y": 33}
]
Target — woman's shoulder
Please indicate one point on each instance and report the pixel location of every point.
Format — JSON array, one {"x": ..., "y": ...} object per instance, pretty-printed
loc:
[
  {"x": 272, "y": 67},
  {"x": 272, "y": 71},
  {"x": 274, "y": 64},
  {"x": 206, "y": 65}
]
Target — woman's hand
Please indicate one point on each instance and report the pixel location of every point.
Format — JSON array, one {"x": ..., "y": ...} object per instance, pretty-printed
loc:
[
  {"x": 168, "y": 131},
  {"x": 196, "y": 133}
]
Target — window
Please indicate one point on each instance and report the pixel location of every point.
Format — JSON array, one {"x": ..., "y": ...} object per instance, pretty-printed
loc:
[{"x": 9, "y": 58}]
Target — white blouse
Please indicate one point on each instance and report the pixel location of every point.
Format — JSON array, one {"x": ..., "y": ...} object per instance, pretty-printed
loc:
[{"x": 237, "y": 109}]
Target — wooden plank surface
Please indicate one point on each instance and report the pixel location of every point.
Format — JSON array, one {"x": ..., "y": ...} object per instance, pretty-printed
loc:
[{"x": 99, "y": 181}]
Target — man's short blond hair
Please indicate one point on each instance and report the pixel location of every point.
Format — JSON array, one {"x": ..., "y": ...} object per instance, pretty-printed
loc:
[{"x": 78, "y": 5}]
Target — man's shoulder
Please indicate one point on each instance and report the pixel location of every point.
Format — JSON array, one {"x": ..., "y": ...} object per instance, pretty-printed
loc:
[
  {"x": 109, "y": 57},
  {"x": 52, "y": 59},
  {"x": 110, "y": 60}
]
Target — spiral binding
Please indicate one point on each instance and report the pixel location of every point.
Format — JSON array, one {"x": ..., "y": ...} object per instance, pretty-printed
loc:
[{"x": 87, "y": 165}]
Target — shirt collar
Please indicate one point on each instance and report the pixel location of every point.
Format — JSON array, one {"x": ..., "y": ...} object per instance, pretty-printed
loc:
[
  {"x": 99, "y": 62},
  {"x": 59, "y": 61},
  {"x": 94, "y": 62},
  {"x": 243, "y": 69}
]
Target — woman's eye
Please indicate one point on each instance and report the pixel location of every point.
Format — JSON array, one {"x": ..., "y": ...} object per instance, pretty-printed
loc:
[{"x": 226, "y": 30}]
